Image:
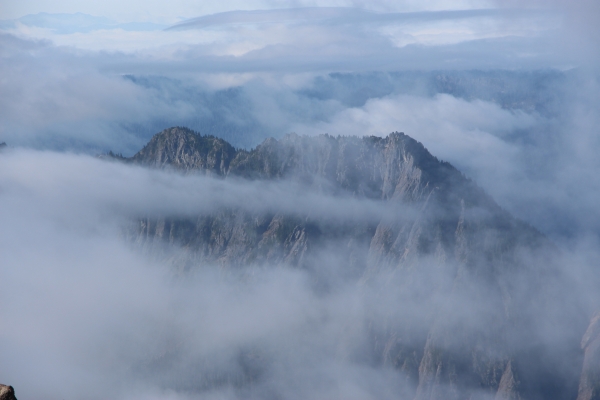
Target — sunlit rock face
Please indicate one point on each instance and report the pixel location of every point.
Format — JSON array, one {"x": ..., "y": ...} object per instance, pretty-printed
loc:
[{"x": 444, "y": 244}]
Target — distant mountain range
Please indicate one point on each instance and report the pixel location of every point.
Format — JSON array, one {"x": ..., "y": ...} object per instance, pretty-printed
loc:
[{"x": 484, "y": 280}]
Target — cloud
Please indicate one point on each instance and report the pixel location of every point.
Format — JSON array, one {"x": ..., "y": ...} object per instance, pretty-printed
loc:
[
  {"x": 329, "y": 15},
  {"x": 74, "y": 23},
  {"x": 130, "y": 191},
  {"x": 503, "y": 129},
  {"x": 476, "y": 136},
  {"x": 579, "y": 35},
  {"x": 65, "y": 101},
  {"x": 450, "y": 127},
  {"x": 536, "y": 159},
  {"x": 281, "y": 35},
  {"x": 184, "y": 9},
  {"x": 59, "y": 97},
  {"x": 66, "y": 90},
  {"x": 89, "y": 315}
]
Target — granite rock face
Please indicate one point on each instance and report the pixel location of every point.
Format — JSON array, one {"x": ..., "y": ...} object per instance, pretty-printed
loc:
[
  {"x": 457, "y": 244},
  {"x": 7, "y": 393},
  {"x": 181, "y": 149}
]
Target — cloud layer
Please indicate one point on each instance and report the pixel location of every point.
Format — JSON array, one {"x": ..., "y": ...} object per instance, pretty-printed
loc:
[{"x": 91, "y": 316}]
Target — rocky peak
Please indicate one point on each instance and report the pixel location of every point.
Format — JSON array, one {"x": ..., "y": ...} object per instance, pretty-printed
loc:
[
  {"x": 7, "y": 392},
  {"x": 396, "y": 166},
  {"x": 380, "y": 168},
  {"x": 183, "y": 149}
]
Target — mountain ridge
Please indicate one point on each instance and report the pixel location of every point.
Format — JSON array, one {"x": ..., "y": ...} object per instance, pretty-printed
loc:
[{"x": 460, "y": 245}]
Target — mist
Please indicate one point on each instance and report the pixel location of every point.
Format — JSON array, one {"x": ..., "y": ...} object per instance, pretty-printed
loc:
[
  {"x": 93, "y": 315},
  {"x": 505, "y": 93}
]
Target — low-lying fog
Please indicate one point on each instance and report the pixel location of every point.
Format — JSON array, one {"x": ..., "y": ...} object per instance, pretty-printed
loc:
[{"x": 86, "y": 314}]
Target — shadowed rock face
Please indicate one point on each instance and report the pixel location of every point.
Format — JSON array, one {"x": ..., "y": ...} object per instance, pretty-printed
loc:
[
  {"x": 458, "y": 245},
  {"x": 7, "y": 393}
]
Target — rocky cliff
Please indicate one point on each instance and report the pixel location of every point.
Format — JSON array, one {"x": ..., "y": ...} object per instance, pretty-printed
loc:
[
  {"x": 181, "y": 149},
  {"x": 456, "y": 244}
]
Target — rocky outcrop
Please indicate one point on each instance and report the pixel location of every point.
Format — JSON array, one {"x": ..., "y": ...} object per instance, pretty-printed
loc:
[
  {"x": 508, "y": 389},
  {"x": 589, "y": 384},
  {"x": 182, "y": 149},
  {"x": 7, "y": 393}
]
